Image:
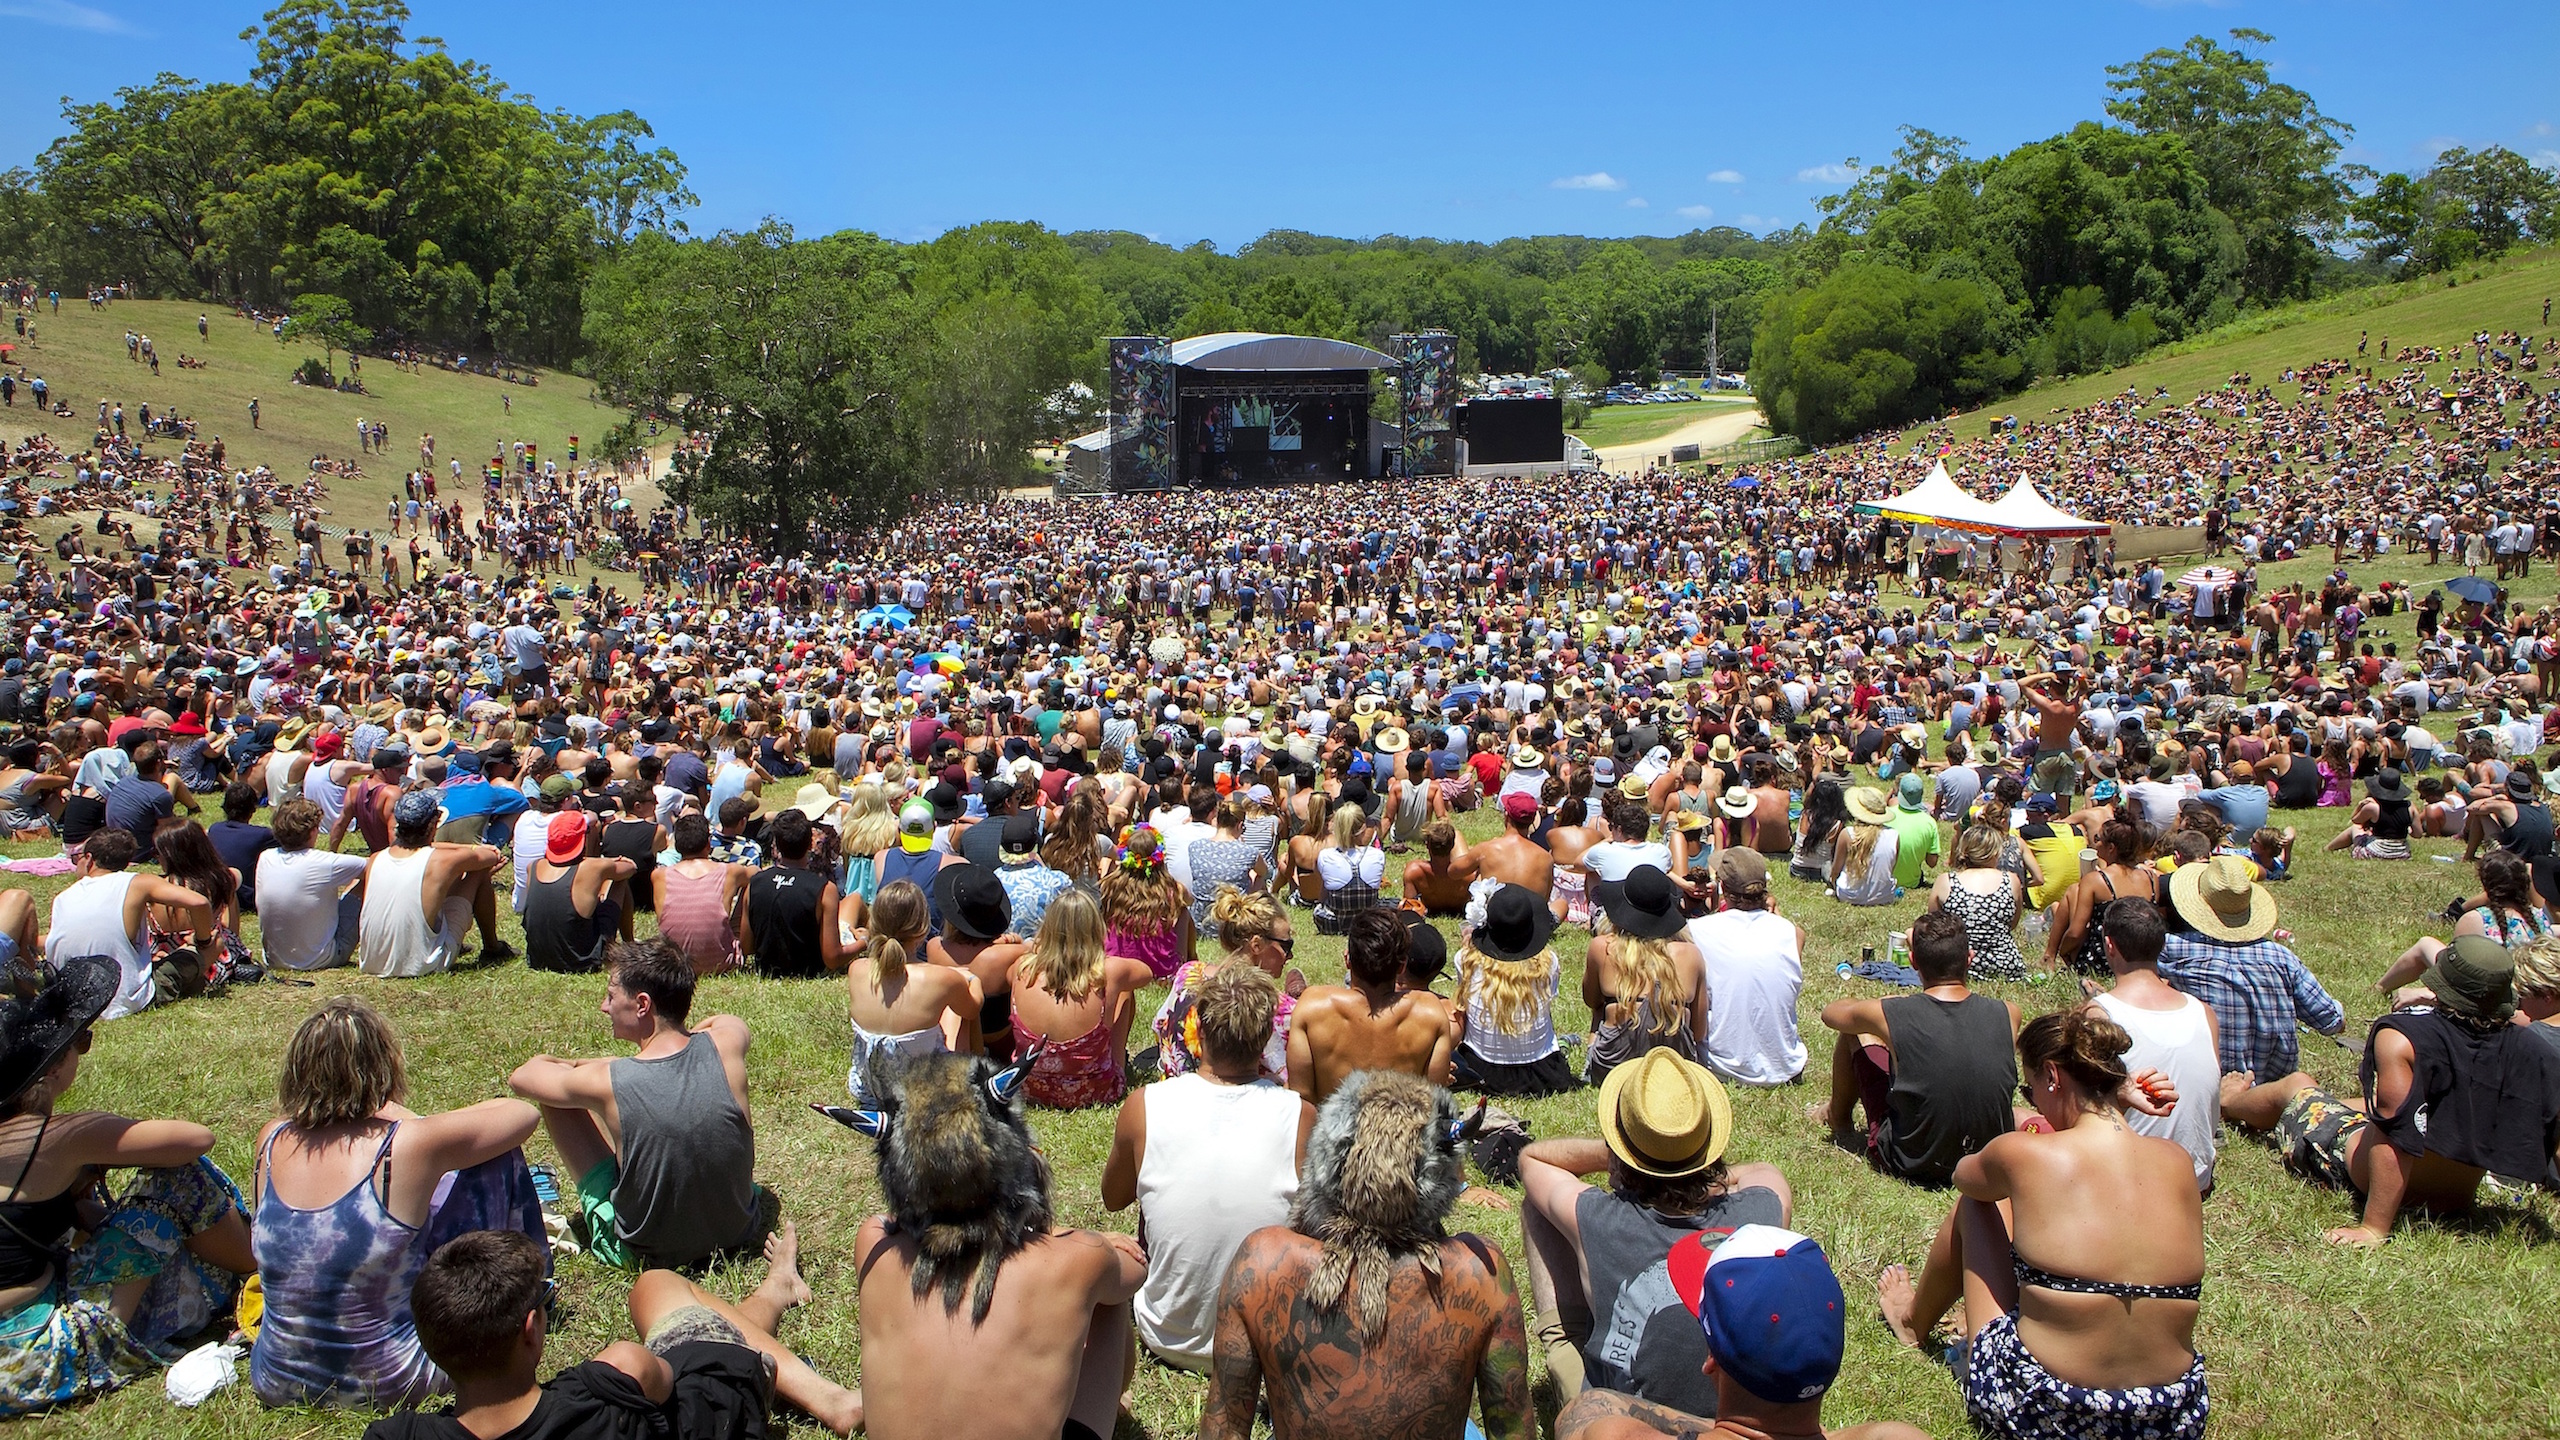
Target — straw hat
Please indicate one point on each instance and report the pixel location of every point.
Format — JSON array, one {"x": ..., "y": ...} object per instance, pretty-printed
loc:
[
  {"x": 1391, "y": 740},
  {"x": 1665, "y": 1116},
  {"x": 1868, "y": 806},
  {"x": 1526, "y": 757},
  {"x": 1721, "y": 750},
  {"x": 2220, "y": 900},
  {"x": 1735, "y": 801}
]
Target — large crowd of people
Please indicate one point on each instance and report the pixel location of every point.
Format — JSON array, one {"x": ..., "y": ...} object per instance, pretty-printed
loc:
[{"x": 1069, "y": 783}]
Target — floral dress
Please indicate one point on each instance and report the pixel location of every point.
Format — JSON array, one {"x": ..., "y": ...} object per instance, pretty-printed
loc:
[{"x": 1177, "y": 1027}]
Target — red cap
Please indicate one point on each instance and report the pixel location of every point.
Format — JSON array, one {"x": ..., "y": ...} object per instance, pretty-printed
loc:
[
  {"x": 1519, "y": 805},
  {"x": 567, "y": 838},
  {"x": 329, "y": 746}
]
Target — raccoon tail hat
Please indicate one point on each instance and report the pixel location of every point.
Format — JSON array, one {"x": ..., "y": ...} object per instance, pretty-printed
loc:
[{"x": 1383, "y": 1167}]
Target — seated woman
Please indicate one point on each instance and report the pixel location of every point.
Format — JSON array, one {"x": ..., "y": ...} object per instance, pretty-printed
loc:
[
  {"x": 2077, "y": 1255},
  {"x": 1507, "y": 980},
  {"x": 1074, "y": 1000},
  {"x": 1252, "y": 930},
  {"x": 2507, "y": 910},
  {"x": 1351, "y": 869},
  {"x": 900, "y": 1005},
  {"x": 1862, "y": 860},
  {"x": 1645, "y": 984},
  {"x": 2443, "y": 813},
  {"x": 1146, "y": 916},
  {"x": 2381, "y": 826},
  {"x": 1986, "y": 898},
  {"x": 199, "y": 956},
  {"x": 355, "y": 1191},
  {"x": 90, "y": 1285}
]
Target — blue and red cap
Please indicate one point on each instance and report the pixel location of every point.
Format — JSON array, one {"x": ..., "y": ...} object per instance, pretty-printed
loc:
[{"x": 1773, "y": 1314}]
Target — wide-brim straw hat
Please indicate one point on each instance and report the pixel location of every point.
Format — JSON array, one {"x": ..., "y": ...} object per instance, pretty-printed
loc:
[
  {"x": 2220, "y": 900},
  {"x": 1868, "y": 806}
]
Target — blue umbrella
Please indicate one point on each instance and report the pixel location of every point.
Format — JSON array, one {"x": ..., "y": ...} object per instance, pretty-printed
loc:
[
  {"x": 1743, "y": 482},
  {"x": 896, "y": 617},
  {"x": 2472, "y": 587},
  {"x": 1437, "y": 641}
]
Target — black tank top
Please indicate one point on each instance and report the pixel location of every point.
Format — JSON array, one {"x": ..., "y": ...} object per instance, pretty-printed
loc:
[
  {"x": 2298, "y": 788},
  {"x": 782, "y": 910},
  {"x": 32, "y": 1231},
  {"x": 1955, "y": 1071},
  {"x": 635, "y": 841},
  {"x": 556, "y": 936}
]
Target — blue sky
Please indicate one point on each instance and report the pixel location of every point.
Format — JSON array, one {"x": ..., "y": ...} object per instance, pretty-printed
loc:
[{"x": 1221, "y": 121}]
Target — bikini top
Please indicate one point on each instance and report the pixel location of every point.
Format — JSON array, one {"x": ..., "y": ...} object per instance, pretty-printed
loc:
[{"x": 2042, "y": 1278}]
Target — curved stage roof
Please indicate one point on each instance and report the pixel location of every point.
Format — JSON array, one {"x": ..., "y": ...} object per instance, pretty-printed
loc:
[{"x": 1248, "y": 350}]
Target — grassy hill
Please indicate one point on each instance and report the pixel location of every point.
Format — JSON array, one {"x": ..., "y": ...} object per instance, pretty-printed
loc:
[
  {"x": 81, "y": 355},
  {"x": 2436, "y": 310},
  {"x": 1632, "y": 424}
]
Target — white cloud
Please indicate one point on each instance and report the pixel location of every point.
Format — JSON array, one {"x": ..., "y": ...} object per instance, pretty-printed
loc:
[
  {"x": 1596, "y": 180},
  {"x": 1724, "y": 177},
  {"x": 65, "y": 14},
  {"x": 1639, "y": 203},
  {"x": 1696, "y": 212},
  {"x": 1828, "y": 174},
  {"x": 1754, "y": 222},
  {"x": 2543, "y": 127}
]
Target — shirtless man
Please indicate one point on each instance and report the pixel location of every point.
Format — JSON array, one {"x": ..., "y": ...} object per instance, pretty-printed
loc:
[
  {"x": 1002, "y": 1293},
  {"x": 1338, "y": 1030},
  {"x": 1773, "y": 829},
  {"x": 1440, "y": 879},
  {"x": 1390, "y": 1348},
  {"x": 1512, "y": 857},
  {"x": 2057, "y": 722}
]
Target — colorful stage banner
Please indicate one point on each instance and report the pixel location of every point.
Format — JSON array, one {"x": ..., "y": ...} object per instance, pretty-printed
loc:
[{"x": 1427, "y": 383}]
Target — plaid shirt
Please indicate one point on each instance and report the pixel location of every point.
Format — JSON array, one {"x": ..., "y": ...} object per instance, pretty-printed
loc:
[{"x": 2257, "y": 992}]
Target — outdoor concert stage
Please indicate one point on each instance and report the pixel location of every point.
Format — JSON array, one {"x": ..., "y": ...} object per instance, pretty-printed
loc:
[{"x": 1251, "y": 409}]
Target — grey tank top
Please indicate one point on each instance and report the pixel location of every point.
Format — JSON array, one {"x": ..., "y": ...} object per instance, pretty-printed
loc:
[
  {"x": 687, "y": 1186},
  {"x": 1644, "y": 1342},
  {"x": 1955, "y": 1071}
]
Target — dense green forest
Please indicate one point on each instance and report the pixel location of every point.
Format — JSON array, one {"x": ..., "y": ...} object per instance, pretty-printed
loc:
[{"x": 386, "y": 192}]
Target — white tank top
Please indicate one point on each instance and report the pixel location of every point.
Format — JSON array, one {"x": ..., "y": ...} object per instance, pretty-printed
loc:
[
  {"x": 1754, "y": 975},
  {"x": 1221, "y": 1163},
  {"x": 2178, "y": 1044},
  {"x": 88, "y": 919},
  {"x": 398, "y": 942},
  {"x": 331, "y": 798},
  {"x": 280, "y": 786}
]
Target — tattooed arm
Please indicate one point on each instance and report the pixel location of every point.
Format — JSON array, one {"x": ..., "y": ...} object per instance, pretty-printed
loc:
[
  {"x": 1235, "y": 1367},
  {"x": 1607, "y": 1415},
  {"x": 1502, "y": 1376}
]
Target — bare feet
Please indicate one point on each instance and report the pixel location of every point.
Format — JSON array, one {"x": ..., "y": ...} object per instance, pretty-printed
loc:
[
  {"x": 782, "y": 1283},
  {"x": 1898, "y": 1298},
  {"x": 1482, "y": 1198},
  {"x": 1819, "y": 1112},
  {"x": 2357, "y": 1237}
]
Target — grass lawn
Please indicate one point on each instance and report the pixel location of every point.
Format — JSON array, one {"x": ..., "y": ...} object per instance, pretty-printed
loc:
[
  {"x": 2506, "y": 295},
  {"x": 81, "y": 355},
  {"x": 1633, "y": 424},
  {"x": 2457, "y": 1307}
]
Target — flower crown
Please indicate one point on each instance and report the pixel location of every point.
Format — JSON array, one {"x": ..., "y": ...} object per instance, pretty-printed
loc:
[{"x": 1141, "y": 850}]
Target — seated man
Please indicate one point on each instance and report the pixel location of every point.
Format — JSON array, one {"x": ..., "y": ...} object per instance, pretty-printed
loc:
[
  {"x": 1512, "y": 857},
  {"x": 1773, "y": 1323},
  {"x": 310, "y": 901},
  {"x": 1371, "y": 1023},
  {"x": 661, "y": 1145},
  {"x": 704, "y": 1370},
  {"x": 420, "y": 898},
  {"x": 1594, "y": 1250},
  {"x": 2227, "y": 958},
  {"x": 1208, "y": 1158},
  {"x": 965, "y": 1276},
  {"x": 1937, "y": 1072},
  {"x": 2172, "y": 1033},
  {"x": 1439, "y": 880},
  {"x": 1340, "y": 1317},
  {"x": 2452, "y": 1091},
  {"x": 570, "y": 914}
]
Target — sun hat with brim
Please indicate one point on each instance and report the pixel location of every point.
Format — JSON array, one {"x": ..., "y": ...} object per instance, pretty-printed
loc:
[
  {"x": 1517, "y": 924},
  {"x": 1664, "y": 1116},
  {"x": 1526, "y": 757},
  {"x": 1868, "y": 806},
  {"x": 1912, "y": 735},
  {"x": 1735, "y": 801},
  {"x": 973, "y": 901},
  {"x": 915, "y": 827},
  {"x": 2474, "y": 978},
  {"x": 1721, "y": 751},
  {"x": 1644, "y": 905},
  {"x": 1391, "y": 740},
  {"x": 187, "y": 725},
  {"x": 35, "y": 1032},
  {"x": 815, "y": 800},
  {"x": 2220, "y": 900},
  {"x": 290, "y": 734},
  {"x": 2519, "y": 785},
  {"x": 2386, "y": 785}
]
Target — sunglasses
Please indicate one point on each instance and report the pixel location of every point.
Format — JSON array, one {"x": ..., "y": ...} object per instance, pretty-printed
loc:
[
  {"x": 1288, "y": 943},
  {"x": 547, "y": 1300}
]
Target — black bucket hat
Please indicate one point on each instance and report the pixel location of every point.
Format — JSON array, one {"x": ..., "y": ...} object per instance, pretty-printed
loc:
[
  {"x": 1645, "y": 904},
  {"x": 1517, "y": 925},
  {"x": 972, "y": 901},
  {"x": 34, "y": 1033}
]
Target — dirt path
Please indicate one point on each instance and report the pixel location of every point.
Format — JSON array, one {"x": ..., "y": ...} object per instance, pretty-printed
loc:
[{"x": 1706, "y": 432}]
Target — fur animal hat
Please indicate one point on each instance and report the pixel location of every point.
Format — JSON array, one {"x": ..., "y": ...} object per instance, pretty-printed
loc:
[
  {"x": 1384, "y": 1165},
  {"x": 957, "y": 1168}
]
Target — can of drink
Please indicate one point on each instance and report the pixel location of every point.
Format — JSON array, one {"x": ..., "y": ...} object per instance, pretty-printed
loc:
[{"x": 1867, "y": 956}]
